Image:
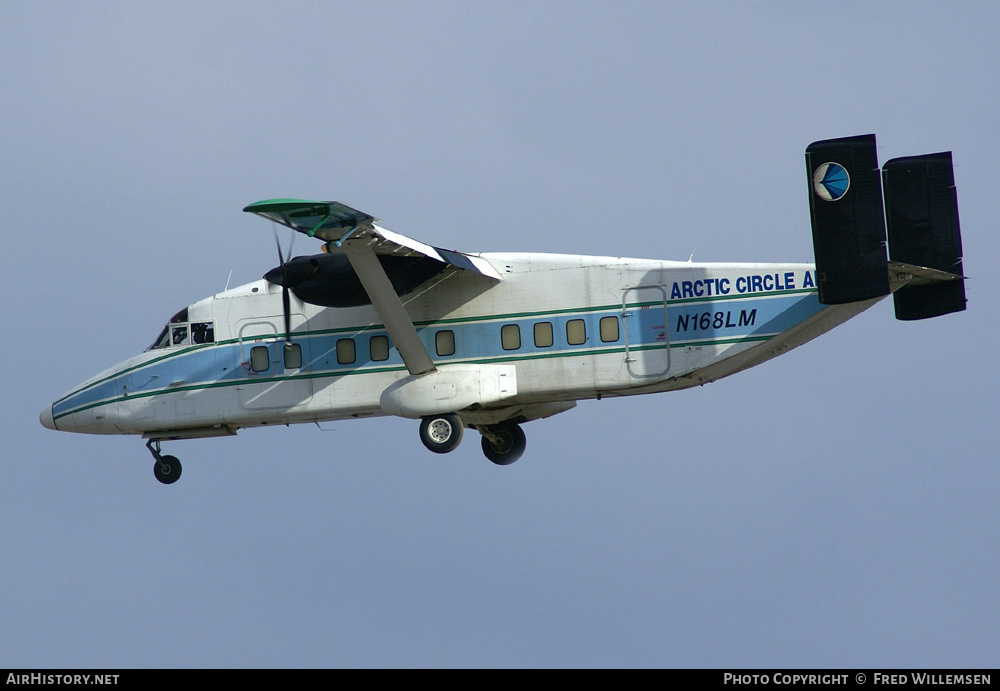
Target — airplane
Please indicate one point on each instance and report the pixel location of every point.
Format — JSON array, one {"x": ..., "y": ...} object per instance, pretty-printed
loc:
[{"x": 380, "y": 324}]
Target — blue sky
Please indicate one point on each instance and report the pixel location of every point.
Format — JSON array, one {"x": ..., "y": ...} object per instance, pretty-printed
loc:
[{"x": 833, "y": 507}]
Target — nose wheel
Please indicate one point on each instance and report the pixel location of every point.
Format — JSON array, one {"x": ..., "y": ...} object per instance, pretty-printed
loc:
[{"x": 166, "y": 469}]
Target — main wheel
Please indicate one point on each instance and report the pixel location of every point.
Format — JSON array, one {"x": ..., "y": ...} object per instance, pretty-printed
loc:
[
  {"x": 507, "y": 444},
  {"x": 167, "y": 469},
  {"x": 441, "y": 433}
]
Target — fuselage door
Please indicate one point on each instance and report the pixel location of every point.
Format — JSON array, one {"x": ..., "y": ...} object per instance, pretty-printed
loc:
[
  {"x": 274, "y": 370},
  {"x": 644, "y": 313}
]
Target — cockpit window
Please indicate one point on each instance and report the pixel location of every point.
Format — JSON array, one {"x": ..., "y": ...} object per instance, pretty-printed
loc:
[
  {"x": 202, "y": 332},
  {"x": 162, "y": 341},
  {"x": 178, "y": 332},
  {"x": 179, "y": 335}
]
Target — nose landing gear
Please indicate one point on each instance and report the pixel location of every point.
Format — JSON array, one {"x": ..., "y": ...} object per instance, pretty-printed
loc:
[{"x": 166, "y": 469}]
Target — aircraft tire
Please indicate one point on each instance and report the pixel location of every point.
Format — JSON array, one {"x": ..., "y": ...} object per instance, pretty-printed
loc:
[
  {"x": 509, "y": 445},
  {"x": 167, "y": 469},
  {"x": 441, "y": 433}
]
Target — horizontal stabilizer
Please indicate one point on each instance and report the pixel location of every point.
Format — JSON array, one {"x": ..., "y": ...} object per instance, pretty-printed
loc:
[
  {"x": 921, "y": 208},
  {"x": 848, "y": 226}
]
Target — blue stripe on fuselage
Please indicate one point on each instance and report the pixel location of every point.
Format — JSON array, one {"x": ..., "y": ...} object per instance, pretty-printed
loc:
[
  {"x": 728, "y": 319},
  {"x": 475, "y": 339}
]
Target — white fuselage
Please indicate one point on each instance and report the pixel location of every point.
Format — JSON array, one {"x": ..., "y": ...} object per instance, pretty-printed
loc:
[{"x": 555, "y": 329}]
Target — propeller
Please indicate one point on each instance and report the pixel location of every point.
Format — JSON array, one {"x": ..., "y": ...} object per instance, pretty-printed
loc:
[{"x": 286, "y": 301}]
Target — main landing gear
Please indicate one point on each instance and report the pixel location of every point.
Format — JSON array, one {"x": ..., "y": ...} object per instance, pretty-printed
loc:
[
  {"x": 502, "y": 443},
  {"x": 167, "y": 469}
]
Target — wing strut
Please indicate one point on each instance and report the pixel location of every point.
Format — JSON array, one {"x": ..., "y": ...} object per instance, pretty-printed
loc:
[{"x": 389, "y": 307}]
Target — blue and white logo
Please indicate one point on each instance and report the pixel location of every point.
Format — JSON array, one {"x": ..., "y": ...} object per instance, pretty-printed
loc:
[{"x": 831, "y": 181}]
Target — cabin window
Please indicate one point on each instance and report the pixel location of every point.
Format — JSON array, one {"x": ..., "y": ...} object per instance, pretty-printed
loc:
[
  {"x": 576, "y": 332},
  {"x": 202, "y": 332},
  {"x": 260, "y": 360},
  {"x": 444, "y": 342},
  {"x": 292, "y": 354},
  {"x": 510, "y": 337},
  {"x": 378, "y": 348},
  {"x": 179, "y": 335},
  {"x": 543, "y": 334},
  {"x": 346, "y": 352},
  {"x": 609, "y": 329}
]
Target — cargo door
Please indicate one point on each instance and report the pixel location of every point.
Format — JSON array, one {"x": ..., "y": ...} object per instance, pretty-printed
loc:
[{"x": 644, "y": 314}]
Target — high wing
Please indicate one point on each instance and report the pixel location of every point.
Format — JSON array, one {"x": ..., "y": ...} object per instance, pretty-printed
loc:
[
  {"x": 336, "y": 223},
  {"x": 356, "y": 235}
]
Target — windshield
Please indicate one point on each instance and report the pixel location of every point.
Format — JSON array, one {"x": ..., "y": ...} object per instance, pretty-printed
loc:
[
  {"x": 179, "y": 332},
  {"x": 163, "y": 340}
]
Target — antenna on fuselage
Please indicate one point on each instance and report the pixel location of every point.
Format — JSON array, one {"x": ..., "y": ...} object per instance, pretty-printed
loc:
[
  {"x": 228, "y": 280},
  {"x": 691, "y": 256}
]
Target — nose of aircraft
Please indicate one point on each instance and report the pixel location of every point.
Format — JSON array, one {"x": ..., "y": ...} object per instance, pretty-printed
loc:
[{"x": 46, "y": 418}]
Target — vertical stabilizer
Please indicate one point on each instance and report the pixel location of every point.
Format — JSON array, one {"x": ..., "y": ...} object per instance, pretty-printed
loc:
[
  {"x": 848, "y": 224},
  {"x": 921, "y": 207}
]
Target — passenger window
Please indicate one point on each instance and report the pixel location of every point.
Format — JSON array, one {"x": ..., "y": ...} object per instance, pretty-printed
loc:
[
  {"x": 576, "y": 332},
  {"x": 260, "y": 361},
  {"x": 543, "y": 334},
  {"x": 378, "y": 348},
  {"x": 179, "y": 335},
  {"x": 346, "y": 353},
  {"x": 609, "y": 329},
  {"x": 510, "y": 337},
  {"x": 293, "y": 356},
  {"x": 444, "y": 342},
  {"x": 203, "y": 332}
]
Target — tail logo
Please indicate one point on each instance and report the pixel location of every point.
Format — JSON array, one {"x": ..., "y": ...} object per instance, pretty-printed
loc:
[{"x": 831, "y": 182}]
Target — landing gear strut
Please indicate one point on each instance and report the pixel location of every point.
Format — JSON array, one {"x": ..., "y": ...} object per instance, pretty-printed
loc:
[
  {"x": 504, "y": 443},
  {"x": 167, "y": 469}
]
